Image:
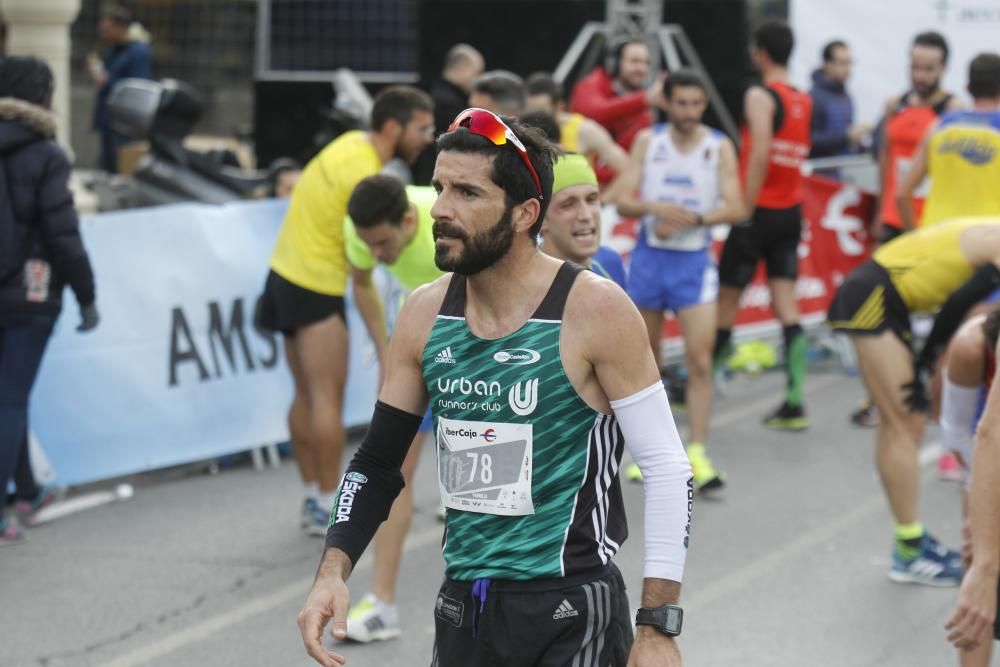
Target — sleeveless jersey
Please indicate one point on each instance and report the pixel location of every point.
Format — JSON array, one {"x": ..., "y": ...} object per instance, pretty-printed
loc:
[
  {"x": 928, "y": 264},
  {"x": 904, "y": 130},
  {"x": 570, "y": 131},
  {"x": 527, "y": 470},
  {"x": 964, "y": 166},
  {"x": 790, "y": 146},
  {"x": 570, "y": 140},
  {"x": 688, "y": 179}
]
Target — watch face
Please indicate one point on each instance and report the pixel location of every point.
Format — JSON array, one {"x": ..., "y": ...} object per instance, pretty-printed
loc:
[{"x": 673, "y": 619}]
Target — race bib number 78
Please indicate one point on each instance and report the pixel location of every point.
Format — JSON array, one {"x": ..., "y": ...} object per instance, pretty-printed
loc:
[{"x": 485, "y": 467}]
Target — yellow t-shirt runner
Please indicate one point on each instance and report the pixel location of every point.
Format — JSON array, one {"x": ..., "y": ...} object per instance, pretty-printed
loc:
[
  {"x": 963, "y": 161},
  {"x": 310, "y": 248},
  {"x": 927, "y": 265},
  {"x": 415, "y": 265},
  {"x": 570, "y": 131}
]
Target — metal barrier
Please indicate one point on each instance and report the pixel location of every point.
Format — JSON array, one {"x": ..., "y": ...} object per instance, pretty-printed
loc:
[{"x": 858, "y": 170}]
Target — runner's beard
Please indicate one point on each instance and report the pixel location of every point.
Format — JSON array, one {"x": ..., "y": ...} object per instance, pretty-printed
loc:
[
  {"x": 927, "y": 91},
  {"x": 478, "y": 252}
]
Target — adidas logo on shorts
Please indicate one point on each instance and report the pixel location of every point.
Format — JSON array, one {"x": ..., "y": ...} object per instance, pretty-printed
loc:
[
  {"x": 565, "y": 610},
  {"x": 444, "y": 356}
]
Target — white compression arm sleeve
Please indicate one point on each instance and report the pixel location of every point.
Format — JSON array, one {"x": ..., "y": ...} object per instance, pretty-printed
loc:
[
  {"x": 652, "y": 439},
  {"x": 958, "y": 410}
]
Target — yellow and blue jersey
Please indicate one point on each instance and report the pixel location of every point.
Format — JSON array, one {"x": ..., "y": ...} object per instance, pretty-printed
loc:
[{"x": 963, "y": 160}]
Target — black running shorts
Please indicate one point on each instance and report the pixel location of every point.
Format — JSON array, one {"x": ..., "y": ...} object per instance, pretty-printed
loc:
[
  {"x": 867, "y": 304},
  {"x": 582, "y": 621},
  {"x": 286, "y": 307},
  {"x": 772, "y": 234}
]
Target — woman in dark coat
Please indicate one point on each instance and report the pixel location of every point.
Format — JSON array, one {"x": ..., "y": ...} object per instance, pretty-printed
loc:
[{"x": 40, "y": 253}]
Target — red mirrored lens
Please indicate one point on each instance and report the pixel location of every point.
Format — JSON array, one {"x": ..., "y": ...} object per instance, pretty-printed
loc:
[
  {"x": 486, "y": 124},
  {"x": 483, "y": 123}
]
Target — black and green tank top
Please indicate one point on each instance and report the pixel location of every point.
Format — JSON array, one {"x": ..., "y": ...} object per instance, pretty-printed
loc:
[{"x": 527, "y": 470}]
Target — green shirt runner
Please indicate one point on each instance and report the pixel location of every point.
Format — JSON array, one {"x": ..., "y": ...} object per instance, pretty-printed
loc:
[
  {"x": 519, "y": 451},
  {"x": 415, "y": 265}
]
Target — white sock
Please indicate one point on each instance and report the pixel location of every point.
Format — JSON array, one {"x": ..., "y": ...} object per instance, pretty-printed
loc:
[
  {"x": 311, "y": 490},
  {"x": 325, "y": 500}
]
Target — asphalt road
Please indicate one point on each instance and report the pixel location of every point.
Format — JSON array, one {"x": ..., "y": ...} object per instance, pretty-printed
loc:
[{"x": 787, "y": 568}]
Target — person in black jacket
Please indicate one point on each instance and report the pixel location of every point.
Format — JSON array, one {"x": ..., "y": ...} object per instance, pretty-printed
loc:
[
  {"x": 40, "y": 252},
  {"x": 462, "y": 64}
]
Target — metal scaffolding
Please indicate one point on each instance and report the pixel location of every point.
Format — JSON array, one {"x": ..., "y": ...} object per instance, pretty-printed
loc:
[{"x": 643, "y": 19}]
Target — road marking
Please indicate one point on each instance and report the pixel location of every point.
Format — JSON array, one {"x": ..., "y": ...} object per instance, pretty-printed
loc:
[
  {"x": 206, "y": 629},
  {"x": 299, "y": 589}
]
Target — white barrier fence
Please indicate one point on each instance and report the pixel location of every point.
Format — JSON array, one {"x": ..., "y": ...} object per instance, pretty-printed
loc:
[{"x": 176, "y": 372}]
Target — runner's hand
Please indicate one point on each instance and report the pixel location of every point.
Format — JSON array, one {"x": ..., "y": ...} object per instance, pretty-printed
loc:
[
  {"x": 673, "y": 217},
  {"x": 652, "y": 648},
  {"x": 654, "y": 94},
  {"x": 975, "y": 612},
  {"x": 663, "y": 230},
  {"x": 915, "y": 392},
  {"x": 89, "y": 318},
  {"x": 328, "y": 599}
]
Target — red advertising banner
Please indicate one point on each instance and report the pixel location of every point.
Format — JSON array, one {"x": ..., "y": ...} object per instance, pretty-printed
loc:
[{"x": 835, "y": 239}]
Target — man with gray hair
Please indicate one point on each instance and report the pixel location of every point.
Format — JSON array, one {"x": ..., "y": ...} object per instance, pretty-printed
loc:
[{"x": 499, "y": 91}]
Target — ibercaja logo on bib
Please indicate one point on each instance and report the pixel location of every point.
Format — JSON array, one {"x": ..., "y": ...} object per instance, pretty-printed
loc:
[{"x": 517, "y": 357}]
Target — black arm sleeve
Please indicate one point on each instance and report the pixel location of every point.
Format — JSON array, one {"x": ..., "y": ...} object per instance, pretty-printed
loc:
[
  {"x": 372, "y": 481},
  {"x": 984, "y": 281}
]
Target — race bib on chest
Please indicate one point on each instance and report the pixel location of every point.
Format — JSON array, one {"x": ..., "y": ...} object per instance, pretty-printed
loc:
[{"x": 485, "y": 467}]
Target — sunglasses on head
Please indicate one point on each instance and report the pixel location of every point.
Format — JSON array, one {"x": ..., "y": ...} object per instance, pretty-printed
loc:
[{"x": 487, "y": 124}]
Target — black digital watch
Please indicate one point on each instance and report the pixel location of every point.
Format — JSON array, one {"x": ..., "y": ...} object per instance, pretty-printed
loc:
[{"x": 668, "y": 619}]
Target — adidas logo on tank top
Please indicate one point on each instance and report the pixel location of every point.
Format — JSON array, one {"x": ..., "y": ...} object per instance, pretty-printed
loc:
[{"x": 445, "y": 357}]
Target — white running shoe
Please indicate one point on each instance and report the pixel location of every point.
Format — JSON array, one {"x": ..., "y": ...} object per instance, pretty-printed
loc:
[{"x": 372, "y": 620}]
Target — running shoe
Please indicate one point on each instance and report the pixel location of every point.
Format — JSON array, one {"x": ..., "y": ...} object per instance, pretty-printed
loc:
[
  {"x": 787, "y": 418},
  {"x": 706, "y": 477},
  {"x": 754, "y": 356},
  {"x": 866, "y": 415},
  {"x": 319, "y": 520},
  {"x": 305, "y": 518},
  {"x": 948, "y": 468},
  {"x": 9, "y": 532},
  {"x": 27, "y": 510},
  {"x": 934, "y": 565},
  {"x": 372, "y": 620}
]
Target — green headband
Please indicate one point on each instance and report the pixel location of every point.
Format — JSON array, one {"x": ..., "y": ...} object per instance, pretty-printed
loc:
[{"x": 572, "y": 169}]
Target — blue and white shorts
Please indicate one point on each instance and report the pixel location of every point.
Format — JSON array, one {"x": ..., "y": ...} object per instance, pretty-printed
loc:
[{"x": 672, "y": 280}]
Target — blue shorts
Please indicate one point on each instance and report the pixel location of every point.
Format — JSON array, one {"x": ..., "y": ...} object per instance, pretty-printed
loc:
[
  {"x": 427, "y": 424},
  {"x": 662, "y": 279}
]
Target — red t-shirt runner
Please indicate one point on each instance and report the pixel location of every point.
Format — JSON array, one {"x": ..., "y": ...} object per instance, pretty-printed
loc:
[
  {"x": 904, "y": 130},
  {"x": 789, "y": 148}
]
